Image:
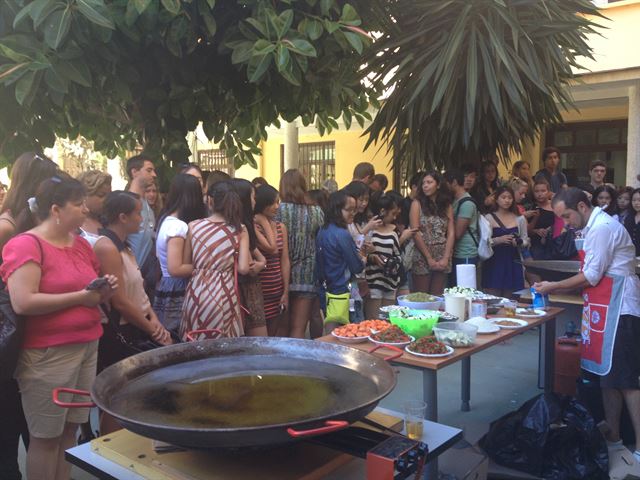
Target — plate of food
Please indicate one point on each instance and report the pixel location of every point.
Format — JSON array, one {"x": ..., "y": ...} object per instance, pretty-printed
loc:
[
  {"x": 393, "y": 336},
  {"x": 429, "y": 347},
  {"x": 393, "y": 308},
  {"x": 510, "y": 323},
  {"x": 530, "y": 312}
]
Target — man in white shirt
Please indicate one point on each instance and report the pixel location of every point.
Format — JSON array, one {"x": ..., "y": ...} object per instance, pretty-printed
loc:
[{"x": 608, "y": 251}]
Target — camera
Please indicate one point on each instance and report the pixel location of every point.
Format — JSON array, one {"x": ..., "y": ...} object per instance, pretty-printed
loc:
[{"x": 519, "y": 241}]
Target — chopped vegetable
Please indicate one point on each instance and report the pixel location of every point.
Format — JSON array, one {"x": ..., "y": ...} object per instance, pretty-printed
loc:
[
  {"x": 392, "y": 334},
  {"x": 420, "y": 297},
  {"x": 428, "y": 346}
]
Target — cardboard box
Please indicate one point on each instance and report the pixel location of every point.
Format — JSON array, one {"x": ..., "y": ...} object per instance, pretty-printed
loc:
[{"x": 467, "y": 463}]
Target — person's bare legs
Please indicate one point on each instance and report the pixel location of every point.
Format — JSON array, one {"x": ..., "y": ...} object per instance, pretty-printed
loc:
[
  {"x": 632, "y": 399},
  {"x": 438, "y": 282},
  {"x": 283, "y": 326},
  {"x": 421, "y": 282},
  {"x": 612, "y": 403},
  {"x": 67, "y": 440},
  {"x": 256, "y": 331},
  {"x": 42, "y": 458},
  {"x": 372, "y": 307},
  {"x": 300, "y": 310},
  {"x": 316, "y": 326}
]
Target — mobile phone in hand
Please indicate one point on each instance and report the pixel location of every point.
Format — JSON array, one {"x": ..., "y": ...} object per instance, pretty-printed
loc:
[{"x": 97, "y": 284}]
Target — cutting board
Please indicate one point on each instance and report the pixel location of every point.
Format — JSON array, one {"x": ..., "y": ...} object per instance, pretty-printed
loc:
[{"x": 297, "y": 461}]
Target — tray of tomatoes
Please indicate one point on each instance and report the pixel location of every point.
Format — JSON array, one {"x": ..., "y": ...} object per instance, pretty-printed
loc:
[{"x": 359, "y": 332}]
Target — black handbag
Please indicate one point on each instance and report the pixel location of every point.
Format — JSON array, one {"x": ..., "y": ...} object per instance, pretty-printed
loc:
[
  {"x": 563, "y": 247},
  {"x": 11, "y": 329}
]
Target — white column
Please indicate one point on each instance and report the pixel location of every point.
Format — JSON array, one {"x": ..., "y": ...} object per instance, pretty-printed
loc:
[
  {"x": 633, "y": 136},
  {"x": 291, "y": 146}
]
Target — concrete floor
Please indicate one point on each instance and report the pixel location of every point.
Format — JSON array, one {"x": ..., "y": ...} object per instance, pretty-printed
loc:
[{"x": 502, "y": 378}]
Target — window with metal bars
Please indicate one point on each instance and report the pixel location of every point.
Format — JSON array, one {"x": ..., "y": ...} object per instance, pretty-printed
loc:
[
  {"x": 316, "y": 162},
  {"x": 215, "y": 159}
]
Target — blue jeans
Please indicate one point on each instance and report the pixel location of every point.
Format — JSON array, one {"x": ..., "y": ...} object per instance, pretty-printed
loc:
[{"x": 461, "y": 261}]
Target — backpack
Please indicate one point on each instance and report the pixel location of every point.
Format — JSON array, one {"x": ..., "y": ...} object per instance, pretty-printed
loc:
[{"x": 485, "y": 250}]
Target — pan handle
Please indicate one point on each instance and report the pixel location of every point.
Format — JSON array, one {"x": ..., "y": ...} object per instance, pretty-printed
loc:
[
  {"x": 60, "y": 403},
  {"x": 390, "y": 347},
  {"x": 208, "y": 332},
  {"x": 330, "y": 426}
]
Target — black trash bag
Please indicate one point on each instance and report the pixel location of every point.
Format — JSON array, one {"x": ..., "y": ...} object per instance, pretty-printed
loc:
[{"x": 550, "y": 437}]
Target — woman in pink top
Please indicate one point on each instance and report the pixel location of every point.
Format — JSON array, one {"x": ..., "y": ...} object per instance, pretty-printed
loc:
[{"x": 47, "y": 271}]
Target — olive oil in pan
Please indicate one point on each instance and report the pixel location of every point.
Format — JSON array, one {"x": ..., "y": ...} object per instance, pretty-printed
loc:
[{"x": 235, "y": 402}]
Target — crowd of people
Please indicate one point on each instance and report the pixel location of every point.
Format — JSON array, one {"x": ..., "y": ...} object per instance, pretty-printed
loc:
[{"x": 99, "y": 275}]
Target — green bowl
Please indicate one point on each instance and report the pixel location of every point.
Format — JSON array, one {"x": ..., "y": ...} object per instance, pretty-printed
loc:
[{"x": 417, "y": 327}]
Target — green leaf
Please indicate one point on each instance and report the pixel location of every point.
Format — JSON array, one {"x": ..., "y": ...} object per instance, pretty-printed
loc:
[
  {"x": 242, "y": 53},
  {"x": 24, "y": 87},
  {"x": 56, "y": 82},
  {"x": 42, "y": 9},
  {"x": 258, "y": 68},
  {"x": 11, "y": 73},
  {"x": 349, "y": 16},
  {"x": 283, "y": 58},
  {"x": 131, "y": 14},
  {"x": 209, "y": 22},
  {"x": 212, "y": 3},
  {"x": 57, "y": 27},
  {"x": 258, "y": 25},
  {"x": 325, "y": 6},
  {"x": 172, "y": 6},
  {"x": 330, "y": 26},
  {"x": 310, "y": 28},
  {"x": 77, "y": 72},
  {"x": 10, "y": 52},
  {"x": 22, "y": 15},
  {"x": 263, "y": 47},
  {"x": 354, "y": 40},
  {"x": 285, "y": 19},
  {"x": 301, "y": 47},
  {"x": 141, "y": 5},
  {"x": 95, "y": 12}
]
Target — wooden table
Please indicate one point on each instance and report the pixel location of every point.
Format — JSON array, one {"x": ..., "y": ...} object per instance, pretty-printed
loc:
[
  {"x": 130, "y": 456},
  {"x": 430, "y": 366}
]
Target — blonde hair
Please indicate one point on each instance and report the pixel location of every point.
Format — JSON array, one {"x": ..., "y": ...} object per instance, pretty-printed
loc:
[
  {"x": 94, "y": 180},
  {"x": 517, "y": 183}
]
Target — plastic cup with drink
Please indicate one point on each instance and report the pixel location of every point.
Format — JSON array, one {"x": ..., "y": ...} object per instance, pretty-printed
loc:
[{"x": 414, "y": 412}]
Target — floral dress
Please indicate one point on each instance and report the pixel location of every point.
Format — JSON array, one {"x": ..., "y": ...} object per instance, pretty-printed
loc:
[{"x": 433, "y": 229}]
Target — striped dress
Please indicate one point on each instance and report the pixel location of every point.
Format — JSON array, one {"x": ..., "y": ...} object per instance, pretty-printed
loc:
[
  {"x": 386, "y": 245},
  {"x": 211, "y": 299},
  {"x": 271, "y": 278}
]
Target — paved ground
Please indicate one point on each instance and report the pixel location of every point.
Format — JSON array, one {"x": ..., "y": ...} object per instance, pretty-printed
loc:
[{"x": 502, "y": 378}]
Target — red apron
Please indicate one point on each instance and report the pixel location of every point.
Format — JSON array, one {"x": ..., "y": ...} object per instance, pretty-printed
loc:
[{"x": 600, "y": 314}]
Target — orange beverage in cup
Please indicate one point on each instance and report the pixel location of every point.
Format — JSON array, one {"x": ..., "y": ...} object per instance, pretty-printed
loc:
[{"x": 413, "y": 428}]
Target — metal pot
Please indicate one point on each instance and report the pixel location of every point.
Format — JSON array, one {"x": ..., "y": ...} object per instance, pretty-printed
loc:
[{"x": 143, "y": 391}]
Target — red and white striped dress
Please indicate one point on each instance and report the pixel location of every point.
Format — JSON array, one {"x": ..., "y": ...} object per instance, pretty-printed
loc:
[
  {"x": 211, "y": 299},
  {"x": 271, "y": 277}
]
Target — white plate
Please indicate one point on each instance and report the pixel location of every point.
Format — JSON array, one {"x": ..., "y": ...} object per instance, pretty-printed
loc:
[
  {"x": 523, "y": 312},
  {"x": 521, "y": 323},
  {"x": 399, "y": 344},
  {"x": 435, "y": 355},
  {"x": 350, "y": 339}
]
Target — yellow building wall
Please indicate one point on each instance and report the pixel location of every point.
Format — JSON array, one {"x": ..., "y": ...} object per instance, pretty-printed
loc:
[{"x": 349, "y": 152}]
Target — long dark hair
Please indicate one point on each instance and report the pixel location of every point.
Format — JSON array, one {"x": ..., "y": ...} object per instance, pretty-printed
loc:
[
  {"x": 357, "y": 190},
  {"x": 226, "y": 202},
  {"x": 185, "y": 198},
  {"x": 499, "y": 191},
  {"x": 28, "y": 171},
  {"x": 442, "y": 202},
  {"x": 116, "y": 203},
  {"x": 57, "y": 190},
  {"x": 385, "y": 202},
  {"x": 612, "y": 209},
  {"x": 333, "y": 214},
  {"x": 243, "y": 189}
]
